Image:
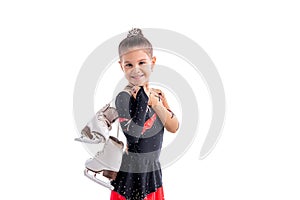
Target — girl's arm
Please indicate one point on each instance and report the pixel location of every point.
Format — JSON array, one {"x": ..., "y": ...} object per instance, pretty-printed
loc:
[
  {"x": 158, "y": 102},
  {"x": 132, "y": 124}
]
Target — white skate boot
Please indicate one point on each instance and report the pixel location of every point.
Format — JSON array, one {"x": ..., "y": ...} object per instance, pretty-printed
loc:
[
  {"x": 107, "y": 161},
  {"x": 97, "y": 130}
]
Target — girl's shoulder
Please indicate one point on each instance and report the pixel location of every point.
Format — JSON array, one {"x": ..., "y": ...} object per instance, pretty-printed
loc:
[
  {"x": 127, "y": 89},
  {"x": 124, "y": 94}
]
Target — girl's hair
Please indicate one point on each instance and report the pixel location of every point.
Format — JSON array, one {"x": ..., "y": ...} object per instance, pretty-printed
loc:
[{"x": 135, "y": 40}]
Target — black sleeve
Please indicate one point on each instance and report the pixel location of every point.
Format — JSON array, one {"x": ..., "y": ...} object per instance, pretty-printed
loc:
[{"x": 134, "y": 111}]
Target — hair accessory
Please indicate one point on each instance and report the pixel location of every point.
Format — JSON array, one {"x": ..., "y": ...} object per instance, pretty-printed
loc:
[{"x": 135, "y": 32}]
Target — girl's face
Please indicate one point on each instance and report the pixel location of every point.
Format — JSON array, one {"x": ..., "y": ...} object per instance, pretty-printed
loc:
[{"x": 137, "y": 66}]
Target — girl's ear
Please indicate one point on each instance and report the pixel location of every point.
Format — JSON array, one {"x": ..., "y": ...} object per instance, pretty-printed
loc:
[
  {"x": 121, "y": 65},
  {"x": 153, "y": 61}
]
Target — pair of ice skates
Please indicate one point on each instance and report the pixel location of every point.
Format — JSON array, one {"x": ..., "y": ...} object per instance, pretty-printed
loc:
[{"x": 108, "y": 160}]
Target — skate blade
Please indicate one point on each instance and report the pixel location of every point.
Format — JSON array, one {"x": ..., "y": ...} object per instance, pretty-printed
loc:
[{"x": 93, "y": 178}]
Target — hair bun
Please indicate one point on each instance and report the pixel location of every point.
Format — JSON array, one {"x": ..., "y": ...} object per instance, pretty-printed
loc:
[{"x": 135, "y": 32}]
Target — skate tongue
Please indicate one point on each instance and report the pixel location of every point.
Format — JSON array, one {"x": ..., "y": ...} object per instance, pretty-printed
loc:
[
  {"x": 115, "y": 140},
  {"x": 86, "y": 131},
  {"x": 111, "y": 114}
]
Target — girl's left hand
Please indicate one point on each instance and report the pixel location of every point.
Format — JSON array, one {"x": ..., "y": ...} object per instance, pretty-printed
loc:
[{"x": 157, "y": 98}]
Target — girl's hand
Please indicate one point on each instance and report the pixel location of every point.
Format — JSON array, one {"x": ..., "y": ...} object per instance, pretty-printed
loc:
[
  {"x": 135, "y": 89},
  {"x": 160, "y": 105},
  {"x": 157, "y": 97}
]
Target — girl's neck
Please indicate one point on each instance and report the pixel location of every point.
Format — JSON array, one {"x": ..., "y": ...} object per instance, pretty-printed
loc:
[{"x": 132, "y": 85}]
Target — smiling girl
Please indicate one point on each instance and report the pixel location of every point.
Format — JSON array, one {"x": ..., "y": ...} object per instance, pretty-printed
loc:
[{"x": 143, "y": 115}]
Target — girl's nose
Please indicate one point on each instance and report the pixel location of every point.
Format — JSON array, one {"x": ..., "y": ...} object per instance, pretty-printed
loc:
[{"x": 136, "y": 67}]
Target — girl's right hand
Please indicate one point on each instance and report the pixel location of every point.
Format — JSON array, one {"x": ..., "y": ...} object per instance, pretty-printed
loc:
[{"x": 135, "y": 89}]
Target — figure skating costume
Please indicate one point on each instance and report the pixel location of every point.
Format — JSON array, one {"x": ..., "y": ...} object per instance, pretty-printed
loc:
[{"x": 140, "y": 175}]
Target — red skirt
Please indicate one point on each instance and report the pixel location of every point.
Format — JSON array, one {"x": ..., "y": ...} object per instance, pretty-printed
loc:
[{"x": 157, "y": 195}]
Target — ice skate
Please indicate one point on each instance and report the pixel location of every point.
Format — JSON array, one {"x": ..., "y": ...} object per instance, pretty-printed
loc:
[
  {"x": 97, "y": 130},
  {"x": 107, "y": 161}
]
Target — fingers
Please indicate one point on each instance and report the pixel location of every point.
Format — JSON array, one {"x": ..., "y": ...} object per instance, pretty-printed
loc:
[
  {"x": 158, "y": 98},
  {"x": 155, "y": 98},
  {"x": 134, "y": 91}
]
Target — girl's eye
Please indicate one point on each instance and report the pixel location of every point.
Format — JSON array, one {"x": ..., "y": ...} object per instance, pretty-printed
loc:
[
  {"x": 128, "y": 65},
  {"x": 142, "y": 63}
]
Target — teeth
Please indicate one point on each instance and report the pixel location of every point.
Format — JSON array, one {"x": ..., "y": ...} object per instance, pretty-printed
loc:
[{"x": 137, "y": 76}]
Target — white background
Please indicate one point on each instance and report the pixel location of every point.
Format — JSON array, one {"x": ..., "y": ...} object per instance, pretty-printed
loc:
[{"x": 255, "y": 46}]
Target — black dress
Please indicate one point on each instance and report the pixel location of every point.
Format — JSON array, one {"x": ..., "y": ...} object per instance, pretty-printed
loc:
[{"x": 140, "y": 172}]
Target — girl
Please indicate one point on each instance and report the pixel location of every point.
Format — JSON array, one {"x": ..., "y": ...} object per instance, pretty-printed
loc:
[{"x": 143, "y": 115}]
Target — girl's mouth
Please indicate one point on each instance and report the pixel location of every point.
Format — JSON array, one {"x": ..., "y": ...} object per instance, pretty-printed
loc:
[{"x": 137, "y": 77}]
